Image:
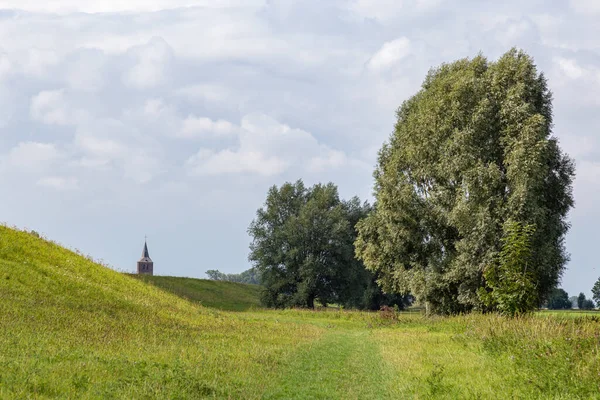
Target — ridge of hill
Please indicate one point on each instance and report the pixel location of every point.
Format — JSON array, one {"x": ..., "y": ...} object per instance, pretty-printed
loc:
[{"x": 223, "y": 295}]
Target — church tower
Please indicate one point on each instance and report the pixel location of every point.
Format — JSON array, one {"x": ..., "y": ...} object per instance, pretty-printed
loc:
[{"x": 145, "y": 265}]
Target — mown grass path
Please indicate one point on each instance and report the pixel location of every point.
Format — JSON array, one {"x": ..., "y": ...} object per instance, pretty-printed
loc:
[{"x": 343, "y": 364}]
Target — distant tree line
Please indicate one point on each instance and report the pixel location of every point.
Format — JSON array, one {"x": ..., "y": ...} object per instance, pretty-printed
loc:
[
  {"x": 250, "y": 276},
  {"x": 560, "y": 300},
  {"x": 584, "y": 303}
]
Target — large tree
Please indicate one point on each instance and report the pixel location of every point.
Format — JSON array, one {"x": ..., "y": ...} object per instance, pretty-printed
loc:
[
  {"x": 303, "y": 246},
  {"x": 471, "y": 161}
]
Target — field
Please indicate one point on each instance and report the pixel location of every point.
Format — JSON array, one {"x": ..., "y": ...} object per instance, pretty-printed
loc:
[{"x": 70, "y": 328}]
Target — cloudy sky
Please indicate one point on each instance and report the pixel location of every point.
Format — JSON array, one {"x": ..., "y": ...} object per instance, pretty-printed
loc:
[{"x": 171, "y": 118}]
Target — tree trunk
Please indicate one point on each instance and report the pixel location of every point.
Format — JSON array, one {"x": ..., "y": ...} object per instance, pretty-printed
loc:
[{"x": 310, "y": 302}]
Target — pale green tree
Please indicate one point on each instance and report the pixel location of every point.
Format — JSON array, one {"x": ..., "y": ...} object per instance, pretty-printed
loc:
[
  {"x": 471, "y": 151},
  {"x": 596, "y": 292}
]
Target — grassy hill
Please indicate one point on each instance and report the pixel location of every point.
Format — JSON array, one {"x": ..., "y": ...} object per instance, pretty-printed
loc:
[
  {"x": 70, "y": 328},
  {"x": 223, "y": 295}
]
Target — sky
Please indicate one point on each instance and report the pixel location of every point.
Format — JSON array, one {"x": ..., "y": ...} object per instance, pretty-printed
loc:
[{"x": 172, "y": 118}]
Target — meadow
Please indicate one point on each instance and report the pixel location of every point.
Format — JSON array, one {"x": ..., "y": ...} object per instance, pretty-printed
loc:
[{"x": 71, "y": 328}]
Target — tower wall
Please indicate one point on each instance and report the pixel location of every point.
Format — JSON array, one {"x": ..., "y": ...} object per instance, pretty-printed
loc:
[{"x": 145, "y": 268}]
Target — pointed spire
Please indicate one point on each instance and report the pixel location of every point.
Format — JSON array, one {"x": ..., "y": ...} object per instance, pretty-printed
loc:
[{"x": 145, "y": 252}]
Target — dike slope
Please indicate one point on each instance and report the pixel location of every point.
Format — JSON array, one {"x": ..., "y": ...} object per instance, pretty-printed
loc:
[
  {"x": 71, "y": 328},
  {"x": 229, "y": 296}
]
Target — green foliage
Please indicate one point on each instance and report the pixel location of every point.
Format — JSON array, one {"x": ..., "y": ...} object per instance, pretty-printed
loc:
[
  {"x": 470, "y": 151},
  {"x": 580, "y": 300},
  {"x": 510, "y": 286},
  {"x": 223, "y": 295},
  {"x": 596, "y": 292},
  {"x": 303, "y": 245},
  {"x": 250, "y": 276},
  {"x": 559, "y": 300},
  {"x": 588, "y": 304}
]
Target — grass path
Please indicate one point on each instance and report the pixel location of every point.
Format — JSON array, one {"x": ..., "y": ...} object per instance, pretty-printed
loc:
[{"x": 344, "y": 364}]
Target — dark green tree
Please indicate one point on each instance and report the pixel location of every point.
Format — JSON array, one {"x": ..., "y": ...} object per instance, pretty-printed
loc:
[
  {"x": 471, "y": 151},
  {"x": 580, "y": 300},
  {"x": 596, "y": 292},
  {"x": 588, "y": 304},
  {"x": 303, "y": 245},
  {"x": 559, "y": 300},
  {"x": 510, "y": 283}
]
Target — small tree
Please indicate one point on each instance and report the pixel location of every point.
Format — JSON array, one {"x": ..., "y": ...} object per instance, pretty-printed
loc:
[
  {"x": 580, "y": 301},
  {"x": 588, "y": 304},
  {"x": 596, "y": 292},
  {"x": 216, "y": 275},
  {"x": 559, "y": 300},
  {"x": 512, "y": 284}
]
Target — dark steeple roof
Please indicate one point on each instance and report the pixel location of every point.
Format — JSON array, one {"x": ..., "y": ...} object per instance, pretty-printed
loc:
[{"x": 145, "y": 254}]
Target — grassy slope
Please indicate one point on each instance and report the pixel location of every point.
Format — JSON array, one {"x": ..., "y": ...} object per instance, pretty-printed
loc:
[
  {"x": 216, "y": 294},
  {"x": 70, "y": 328}
]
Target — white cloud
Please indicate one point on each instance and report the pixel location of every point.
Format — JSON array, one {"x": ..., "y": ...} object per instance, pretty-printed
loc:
[
  {"x": 38, "y": 61},
  {"x": 114, "y": 6},
  {"x": 570, "y": 68},
  {"x": 267, "y": 147},
  {"x": 387, "y": 10},
  {"x": 50, "y": 107},
  {"x": 156, "y": 108},
  {"x": 5, "y": 66},
  {"x": 7, "y": 105},
  {"x": 580, "y": 146},
  {"x": 586, "y": 189},
  {"x": 58, "y": 182},
  {"x": 586, "y": 6},
  {"x": 86, "y": 71},
  {"x": 141, "y": 166},
  {"x": 209, "y": 162},
  {"x": 210, "y": 92},
  {"x": 332, "y": 159},
  {"x": 32, "y": 155},
  {"x": 100, "y": 148},
  {"x": 151, "y": 64},
  {"x": 389, "y": 54},
  {"x": 202, "y": 126}
]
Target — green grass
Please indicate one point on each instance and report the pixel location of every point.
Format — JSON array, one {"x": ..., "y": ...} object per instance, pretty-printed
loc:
[
  {"x": 570, "y": 313},
  {"x": 70, "y": 328},
  {"x": 216, "y": 294}
]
